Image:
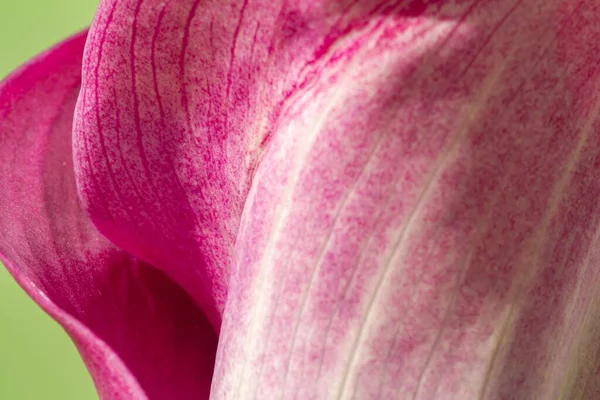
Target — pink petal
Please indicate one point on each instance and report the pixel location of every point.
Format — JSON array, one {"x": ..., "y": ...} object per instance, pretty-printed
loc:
[
  {"x": 140, "y": 335},
  {"x": 180, "y": 99},
  {"x": 425, "y": 221}
]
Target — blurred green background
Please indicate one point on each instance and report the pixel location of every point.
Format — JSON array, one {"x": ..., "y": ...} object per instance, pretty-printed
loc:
[{"x": 37, "y": 359}]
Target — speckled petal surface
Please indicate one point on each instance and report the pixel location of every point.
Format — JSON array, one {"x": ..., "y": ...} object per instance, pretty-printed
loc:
[
  {"x": 376, "y": 199},
  {"x": 139, "y": 334},
  {"x": 424, "y": 222},
  {"x": 180, "y": 100}
]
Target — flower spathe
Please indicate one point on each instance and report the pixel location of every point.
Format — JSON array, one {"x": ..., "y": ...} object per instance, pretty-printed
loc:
[
  {"x": 358, "y": 199},
  {"x": 138, "y": 333}
]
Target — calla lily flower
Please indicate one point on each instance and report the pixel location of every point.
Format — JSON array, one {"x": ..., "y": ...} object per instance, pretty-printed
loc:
[{"x": 315, "y": 199}]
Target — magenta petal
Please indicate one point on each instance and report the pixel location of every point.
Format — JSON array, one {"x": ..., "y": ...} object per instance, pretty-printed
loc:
[
  {"x": 425, "y": 222},
  {"x": 140, "y": 335},
  {"x": 179, "y": 102}
]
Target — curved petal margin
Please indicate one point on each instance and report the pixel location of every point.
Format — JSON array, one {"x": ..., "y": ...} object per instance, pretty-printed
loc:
[
  {"x": 139, "y": 334},
  {"x": 179, "y": 102}
]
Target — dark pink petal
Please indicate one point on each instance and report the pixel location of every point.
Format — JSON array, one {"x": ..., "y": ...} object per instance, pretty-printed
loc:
[
  {"x": 425, "y": 221},
  {"x": 180, "y": 99},
  {"x": 140, "y": 335}
]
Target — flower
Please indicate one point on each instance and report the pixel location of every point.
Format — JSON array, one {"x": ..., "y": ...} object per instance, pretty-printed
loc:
[{"x": 318, "y": 199}]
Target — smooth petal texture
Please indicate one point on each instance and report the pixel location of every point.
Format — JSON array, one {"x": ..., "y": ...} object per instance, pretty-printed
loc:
[
  {"x": 140, "y": 335},
  {"x": 424, "y": 223},
  {"x": 180, "y": 100}
]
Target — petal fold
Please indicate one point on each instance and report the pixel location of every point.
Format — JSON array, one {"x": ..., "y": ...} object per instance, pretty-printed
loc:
[
  {"x": 140, "y": 335},
  {"x": 180, "y": 100}
]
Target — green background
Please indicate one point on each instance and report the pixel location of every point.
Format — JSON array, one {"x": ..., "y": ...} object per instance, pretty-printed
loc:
[{"x": 37, "y": 359}]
